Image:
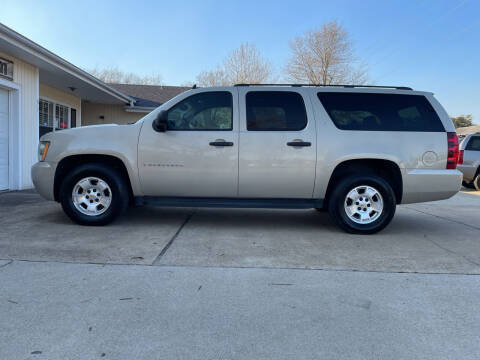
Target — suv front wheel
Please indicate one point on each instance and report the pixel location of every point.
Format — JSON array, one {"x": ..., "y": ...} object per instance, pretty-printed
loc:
[
  {"x": 362, "y": 204},
  {"x": 94, "y": 194}
]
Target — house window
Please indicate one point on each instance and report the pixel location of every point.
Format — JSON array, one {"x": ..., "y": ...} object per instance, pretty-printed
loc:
[
  {"x": 6, "y": 69},
  {"x": 53, "y": 116}
]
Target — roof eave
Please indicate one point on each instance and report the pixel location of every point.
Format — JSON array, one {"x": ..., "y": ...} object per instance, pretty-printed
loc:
[{"x": 39, "y": 51}]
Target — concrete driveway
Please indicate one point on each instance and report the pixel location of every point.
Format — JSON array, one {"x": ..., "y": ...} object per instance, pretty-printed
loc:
[
  {"x": 238, "y": 284},
  {"x": 438, "y": 237}
]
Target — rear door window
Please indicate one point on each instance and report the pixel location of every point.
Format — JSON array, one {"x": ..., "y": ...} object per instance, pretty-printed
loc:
[
  {"x": 275, "y": 111},
  {"x": 380, "y": 112},
  {"x": 473, "y": 144}
]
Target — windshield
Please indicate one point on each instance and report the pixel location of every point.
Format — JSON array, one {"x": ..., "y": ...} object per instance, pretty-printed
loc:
[{"x": 165, "y": 106}]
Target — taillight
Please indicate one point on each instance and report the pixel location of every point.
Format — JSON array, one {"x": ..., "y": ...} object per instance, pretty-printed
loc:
[
  {"x": 460, "y": 157},
  {"x": 452, "y": 157}
]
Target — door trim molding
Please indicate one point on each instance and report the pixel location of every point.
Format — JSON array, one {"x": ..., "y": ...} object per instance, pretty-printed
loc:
[{"x": 14, "y": 130}]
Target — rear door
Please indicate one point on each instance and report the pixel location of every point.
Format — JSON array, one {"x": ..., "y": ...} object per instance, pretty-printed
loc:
[
  {"x": 198, "y": 154},
  {"x": 277, "y": 143}
]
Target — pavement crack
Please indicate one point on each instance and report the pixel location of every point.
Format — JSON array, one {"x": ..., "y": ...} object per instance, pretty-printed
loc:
[
  {"x": 165, "y": 249},
  {"x": 239, "y": 267},
  {"x": 451, "y": 251},
  {"x": 443, "y": 218},
  {"x": 5, "y": 265}
]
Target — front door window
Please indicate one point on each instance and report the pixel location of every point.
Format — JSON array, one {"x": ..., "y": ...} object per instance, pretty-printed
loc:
[
  {"x": 205, "y": 111},
  {"x": 61, "y": 117}
]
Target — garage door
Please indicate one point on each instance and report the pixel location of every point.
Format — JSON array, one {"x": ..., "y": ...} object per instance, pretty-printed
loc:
[{"x": 3, "y": 139}]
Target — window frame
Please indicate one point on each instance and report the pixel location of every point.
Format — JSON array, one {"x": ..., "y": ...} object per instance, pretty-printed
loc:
[
  {"x": 6, "y": 69},
  {"x": 279, "y": 92},
  {"x": 201, "y": 93},
  {"x": 440, "y": 123},
  {"x": 54, "y": 107}
]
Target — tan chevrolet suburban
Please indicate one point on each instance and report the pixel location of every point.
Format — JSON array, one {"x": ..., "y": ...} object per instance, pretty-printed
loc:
[{"x": 355, "y": 151}]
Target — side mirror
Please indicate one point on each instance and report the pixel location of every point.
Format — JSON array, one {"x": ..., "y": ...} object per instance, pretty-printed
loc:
[{"x": 160, "y": 123}]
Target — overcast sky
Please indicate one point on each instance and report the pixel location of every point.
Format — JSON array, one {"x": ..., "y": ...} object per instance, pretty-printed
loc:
[{"x": 431, "y": 45}]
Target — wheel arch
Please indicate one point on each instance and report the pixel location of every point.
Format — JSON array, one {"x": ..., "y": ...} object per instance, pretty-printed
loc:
[
  {"x": 387, "y": 169},
  {"x": 70, "y": 162}
]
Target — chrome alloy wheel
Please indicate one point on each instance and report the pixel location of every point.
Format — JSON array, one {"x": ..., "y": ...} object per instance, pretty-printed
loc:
[
  {"x": 91, "y": 196},
  {"x": 363, "y": 204}
]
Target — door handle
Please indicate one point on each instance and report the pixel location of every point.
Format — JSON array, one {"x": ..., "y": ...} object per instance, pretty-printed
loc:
[
  {"x": 221, "y": 142},
  {"x": 299, "y": 143}
]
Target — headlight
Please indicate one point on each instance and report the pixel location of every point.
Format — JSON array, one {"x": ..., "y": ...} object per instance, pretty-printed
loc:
[{"x": 42, "y": 150}]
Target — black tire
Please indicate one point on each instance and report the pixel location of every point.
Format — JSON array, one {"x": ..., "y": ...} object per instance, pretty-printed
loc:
[
  {"x": 468, "y": 185},
  {"x": 476, "y": 182},
  {"x": 337, "y": 198},
  {"x": 116, "y": 182}
]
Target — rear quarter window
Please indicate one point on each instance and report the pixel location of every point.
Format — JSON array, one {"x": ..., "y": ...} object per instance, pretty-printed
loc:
[
  {"x": 381, "y": 112},
  {"x": 473, "y": 144}
]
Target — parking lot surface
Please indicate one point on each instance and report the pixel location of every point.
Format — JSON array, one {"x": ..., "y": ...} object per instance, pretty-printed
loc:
[
  {"x": 167, "y": 283},
  {"x": 437, "y": 237}
]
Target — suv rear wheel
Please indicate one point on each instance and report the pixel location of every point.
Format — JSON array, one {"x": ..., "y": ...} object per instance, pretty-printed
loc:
[
  {"x": 362, "y": 204},
  {"x": 94, "y": 194}
]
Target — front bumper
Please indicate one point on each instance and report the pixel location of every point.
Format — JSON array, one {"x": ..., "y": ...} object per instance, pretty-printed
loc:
[
  {"x": 421, "y": 185},
  {"x": 43, "y": 176}
]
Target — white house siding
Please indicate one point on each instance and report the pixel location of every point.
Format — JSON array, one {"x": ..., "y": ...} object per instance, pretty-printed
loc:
[
  {"x": 26, "y": 77},
  {"x": 50, "y": 93},
  {"x": 113, "y": 114}
]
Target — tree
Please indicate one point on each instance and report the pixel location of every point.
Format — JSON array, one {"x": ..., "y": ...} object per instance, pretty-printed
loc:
[
  {"x": 213, "y": 78},
  {"x": 114, "y": 75},
  {"x": 325, "y": 56},
  {"x": 243, "y": 65},
  {"x": 462, "y": 121}
]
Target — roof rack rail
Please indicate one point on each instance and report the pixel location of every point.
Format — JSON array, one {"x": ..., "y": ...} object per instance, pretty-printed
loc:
[{"x": 339, "y": 85}]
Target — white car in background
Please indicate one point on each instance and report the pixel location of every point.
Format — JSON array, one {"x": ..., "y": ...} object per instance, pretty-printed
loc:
[{"x": 469, "y": 161}]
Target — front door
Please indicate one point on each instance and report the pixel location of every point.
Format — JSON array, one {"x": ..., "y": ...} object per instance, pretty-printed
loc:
[
  {"x": 4, "y": 108},
  {"x": 198, "y": 154},
  {"x": 277, "y": 144}
]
